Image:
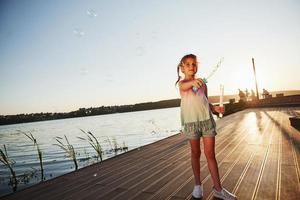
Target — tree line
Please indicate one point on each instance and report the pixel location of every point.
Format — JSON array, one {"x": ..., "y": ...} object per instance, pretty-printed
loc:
[{"x": 82, "y": 112}]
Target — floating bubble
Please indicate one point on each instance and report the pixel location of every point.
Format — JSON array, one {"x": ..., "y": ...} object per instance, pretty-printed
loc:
[
  {"x": 109, "y": 77},
  {"x": 153, "y": 35},
  {"x": 153, "y": 132},
  {"x": 137, "y": 34},
  {"x": 84, "y": 71},
  {"x": 91, "y": 13},
  {"x": 140, "y": 51},
  {"x": 78, "y": 32}
]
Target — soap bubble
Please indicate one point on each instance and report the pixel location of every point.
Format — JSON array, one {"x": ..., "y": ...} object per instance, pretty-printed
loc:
[
  {"x": 91, "y": 13},
  {"x": 137, "y": 34},
  {"x": 78, "y": 32},
  {"x": 84, "y": 71},
  {"x": 153, "y": 35},
  {"x": 140, "y": 51}
]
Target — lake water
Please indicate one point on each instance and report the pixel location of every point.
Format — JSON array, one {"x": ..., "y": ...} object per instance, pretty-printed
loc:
[{"x": 135, "y": 129}]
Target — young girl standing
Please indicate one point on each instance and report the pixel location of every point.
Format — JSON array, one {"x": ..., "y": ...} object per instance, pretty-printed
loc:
[{"x": 197, "y": 121}]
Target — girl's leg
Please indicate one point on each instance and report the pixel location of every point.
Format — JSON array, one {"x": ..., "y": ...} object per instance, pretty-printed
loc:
[
  {"x": 195, "y": 159},
  {"x": 209, "y": 151}
]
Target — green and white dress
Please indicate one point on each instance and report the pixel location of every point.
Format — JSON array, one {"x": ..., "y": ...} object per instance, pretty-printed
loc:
[{"x": 196, "y": 115}]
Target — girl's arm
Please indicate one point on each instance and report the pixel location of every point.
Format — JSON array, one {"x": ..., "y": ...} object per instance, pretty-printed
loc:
[{"x": 186, "y": 85}]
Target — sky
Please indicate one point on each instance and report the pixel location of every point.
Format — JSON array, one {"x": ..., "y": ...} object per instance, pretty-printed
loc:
[{"x": 59, "y": 56}]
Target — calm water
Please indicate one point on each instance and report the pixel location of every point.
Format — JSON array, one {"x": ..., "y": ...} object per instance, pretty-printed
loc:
[{"x": 135, "y": 129}]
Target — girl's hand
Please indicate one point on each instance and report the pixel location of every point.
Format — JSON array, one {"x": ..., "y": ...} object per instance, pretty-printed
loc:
[
  {"x": 219, "y": 109},
  {"x": 197, "y": 82}
]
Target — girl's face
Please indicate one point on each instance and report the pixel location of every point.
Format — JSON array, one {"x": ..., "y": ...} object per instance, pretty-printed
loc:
[{"x": 189, "y": 67}]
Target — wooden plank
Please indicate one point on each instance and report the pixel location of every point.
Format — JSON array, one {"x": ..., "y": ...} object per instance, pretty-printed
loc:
[
  {"x": 124, "y": 182},
  {"x": 268, "y": 183},
  {"x": 208, "y": 186},
  {"x": 85, "y": 188},
  {"x": 170, "y": 189},
  {"x": 289, "y": 177},
  {"x": 154, "y": 187},
  {"x": 189, "y": 161},
  {"x": 289, "y": 183},
  {"x": 115, "y": 174},
  {"x": 249, "y": 183},
  {"x": 207, "y": 183},
  {"x": 257, "y": 150},
  {"x": 236, "y": 171}
]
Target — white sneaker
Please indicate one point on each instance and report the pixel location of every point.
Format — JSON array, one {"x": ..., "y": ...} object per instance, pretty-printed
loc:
[
  {"x": 224, "y": 194},
  {"x": 198, "y": 191}
]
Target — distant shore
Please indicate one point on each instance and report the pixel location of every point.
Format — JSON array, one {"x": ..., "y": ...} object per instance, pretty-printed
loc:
[{"x": 83, "y": 112}]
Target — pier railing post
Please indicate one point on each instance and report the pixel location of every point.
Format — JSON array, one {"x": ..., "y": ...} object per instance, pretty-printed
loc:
[{"x": 257, "y": 94}]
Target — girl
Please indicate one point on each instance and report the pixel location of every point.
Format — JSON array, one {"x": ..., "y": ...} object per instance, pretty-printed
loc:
[{"x": 197, "y": 121}]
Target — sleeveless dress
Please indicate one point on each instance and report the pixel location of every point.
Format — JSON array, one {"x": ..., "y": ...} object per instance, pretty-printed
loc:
[{"x": 196, "y": 116}]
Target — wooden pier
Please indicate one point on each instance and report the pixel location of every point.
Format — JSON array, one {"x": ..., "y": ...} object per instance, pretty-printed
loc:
[{"x": 257, "y": 151}]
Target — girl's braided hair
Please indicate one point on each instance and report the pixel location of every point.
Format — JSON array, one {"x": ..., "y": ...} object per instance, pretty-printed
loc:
[{"x": 180, "y": 63}]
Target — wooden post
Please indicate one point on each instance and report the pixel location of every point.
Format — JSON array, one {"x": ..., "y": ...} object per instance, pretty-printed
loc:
[{"x": 257, "y": 94}]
